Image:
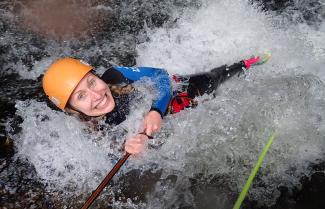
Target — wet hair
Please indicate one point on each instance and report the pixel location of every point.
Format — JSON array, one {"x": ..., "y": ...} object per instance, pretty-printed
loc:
[{"x": 118, "y": 90}]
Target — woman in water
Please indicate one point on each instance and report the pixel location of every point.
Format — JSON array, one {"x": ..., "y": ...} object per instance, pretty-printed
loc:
[{"x": 72, "y": 86}]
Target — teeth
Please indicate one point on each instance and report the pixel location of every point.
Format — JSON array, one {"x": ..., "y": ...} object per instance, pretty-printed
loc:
[{"x": 101, "y": 100}]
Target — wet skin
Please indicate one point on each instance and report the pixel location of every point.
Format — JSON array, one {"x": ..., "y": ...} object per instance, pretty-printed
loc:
[{"x": 92, "y": 96}]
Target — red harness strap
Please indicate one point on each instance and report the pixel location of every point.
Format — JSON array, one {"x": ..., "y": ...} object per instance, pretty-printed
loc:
[{"x": 180, "y": 102}]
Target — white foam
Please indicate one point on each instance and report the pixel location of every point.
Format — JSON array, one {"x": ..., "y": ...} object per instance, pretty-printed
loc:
[
  {"x": 225, "y": 135},
  {"x": 61, "y": 151},
  {"x": 224, "y": 32},
  {"x": 222, "y": 136},
  {"x": 67, "y": 153}
]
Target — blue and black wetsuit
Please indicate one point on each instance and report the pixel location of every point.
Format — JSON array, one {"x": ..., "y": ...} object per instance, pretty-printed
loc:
[
  {"x": 128, "y": 75},
  {"x": 192, "y": 86}
]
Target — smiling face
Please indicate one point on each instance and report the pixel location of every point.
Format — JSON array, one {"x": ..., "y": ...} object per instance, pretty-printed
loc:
[{"x": 92, "y": 96}]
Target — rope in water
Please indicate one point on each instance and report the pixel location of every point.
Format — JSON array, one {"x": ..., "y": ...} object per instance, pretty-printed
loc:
[
  {"x": 238, "y": 203},
  {"x": 109, "y": 176},
  {"x": 106, "y": 180},
  {"x": 254, "y": 172}
]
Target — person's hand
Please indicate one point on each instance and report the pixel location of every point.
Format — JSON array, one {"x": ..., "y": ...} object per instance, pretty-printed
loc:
[
  {"x": 136, "y": 144},
  {"x": 152, "y": 122}
]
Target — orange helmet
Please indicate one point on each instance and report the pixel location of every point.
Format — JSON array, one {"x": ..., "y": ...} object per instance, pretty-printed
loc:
[{"x": 62, "y": 77}]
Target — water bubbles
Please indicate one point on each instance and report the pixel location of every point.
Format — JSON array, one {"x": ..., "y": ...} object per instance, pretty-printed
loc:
[
  {"x": 207, "y": 151},
  {"x": 274, "y": 96}
]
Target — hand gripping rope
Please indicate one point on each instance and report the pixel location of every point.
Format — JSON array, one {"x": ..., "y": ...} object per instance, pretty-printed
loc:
[
  {"x": 108, "y": 178},
  {"x": 238, "y": 203}
]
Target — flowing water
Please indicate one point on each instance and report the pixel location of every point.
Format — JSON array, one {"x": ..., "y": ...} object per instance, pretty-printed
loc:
[{"x": 202, "y": 156}]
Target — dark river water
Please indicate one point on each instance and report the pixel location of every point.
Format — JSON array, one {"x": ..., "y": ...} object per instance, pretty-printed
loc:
[{"x": 202, "y": 157}]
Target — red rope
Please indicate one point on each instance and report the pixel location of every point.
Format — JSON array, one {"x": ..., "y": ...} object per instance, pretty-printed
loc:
[{"x": 106, "y": 180}]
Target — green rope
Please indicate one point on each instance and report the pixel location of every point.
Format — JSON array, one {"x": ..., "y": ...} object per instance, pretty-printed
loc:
[{"x": 253, "y": 172}]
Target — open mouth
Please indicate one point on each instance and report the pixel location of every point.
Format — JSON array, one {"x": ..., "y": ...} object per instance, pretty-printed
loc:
[{"x": 102, "y": 103}]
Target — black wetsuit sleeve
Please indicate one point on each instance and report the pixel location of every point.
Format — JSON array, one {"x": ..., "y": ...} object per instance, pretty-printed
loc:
[{"x": 114, "y": 77}]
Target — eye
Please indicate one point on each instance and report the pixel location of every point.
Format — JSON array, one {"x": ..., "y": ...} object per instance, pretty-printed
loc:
[
  {"x": 92, "y": 82},
  {"x": 81, "y": 96}
]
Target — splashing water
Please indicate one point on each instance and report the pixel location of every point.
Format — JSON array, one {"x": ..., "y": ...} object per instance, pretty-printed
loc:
[
  {"x": 235, "y": 125},
  {"x": 203, "y": 155}
]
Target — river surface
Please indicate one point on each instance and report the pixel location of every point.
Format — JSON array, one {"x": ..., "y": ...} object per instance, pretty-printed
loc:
[{"x": 202, "y": 156}]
